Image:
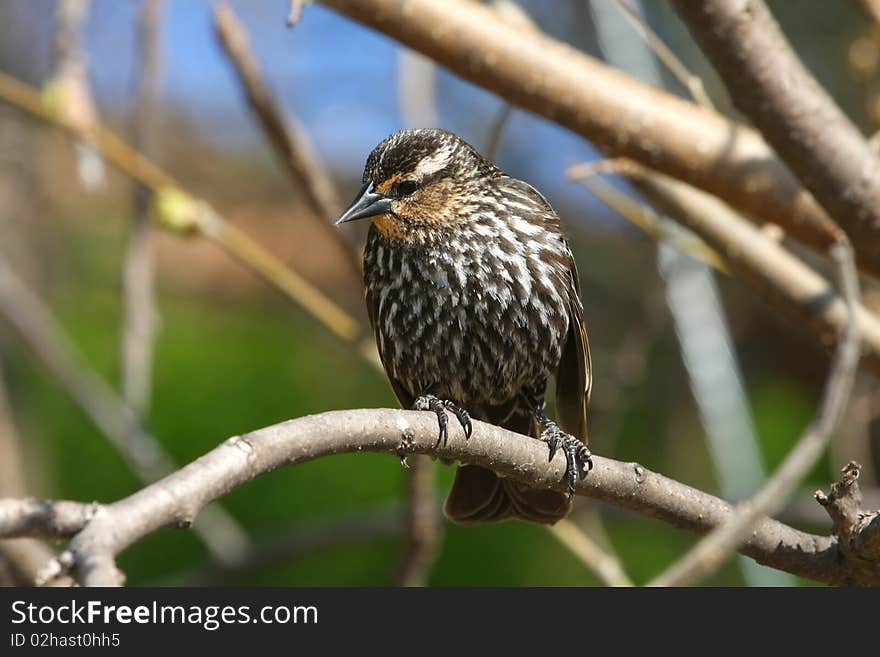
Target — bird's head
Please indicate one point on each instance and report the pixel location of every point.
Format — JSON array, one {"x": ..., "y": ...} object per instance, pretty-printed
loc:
[{"x": 418, "y": 182}]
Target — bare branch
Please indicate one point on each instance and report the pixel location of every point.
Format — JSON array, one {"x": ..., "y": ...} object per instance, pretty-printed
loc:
[
  {"x": 32, "y": 518},
  {"x": 68, "y": 90},
  {"x": 770, "y": 84},
  {"x": 621, "y": 116},
  {"x": 139, "y": 322},
  {"x": 288, "y": 139},
  {"x": 36, "y": 326},
  {"x": 673, "y": 64},
  {"x": 605, "y": 564},
  {"x": 857, "y": 531},
  {"x": 294, "y": 13},
  {"x": 780, "y": 278},
  {"x": 175, "y": 500},
  {"x": 20, "y": 559},
  {"x": 421, "y": 522},
  {"x": 641, "y": 215},
  {"x": 186, "y": 214},
  {"x": 711, "y": 551}
]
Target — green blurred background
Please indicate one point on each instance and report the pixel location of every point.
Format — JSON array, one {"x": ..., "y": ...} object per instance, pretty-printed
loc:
[{"x": 233, "y": 355}]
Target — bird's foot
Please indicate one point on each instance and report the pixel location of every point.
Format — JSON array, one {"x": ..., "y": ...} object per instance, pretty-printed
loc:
[
  {"x": 440, "y": 406},
  {"x": 578, "y": 459}
]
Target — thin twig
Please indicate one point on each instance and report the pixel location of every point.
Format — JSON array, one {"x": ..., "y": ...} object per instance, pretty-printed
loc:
[
  {"x": 711, "y": 551},
  {"x": 605, "y": 564},
  {"x": 177, "y": 499},
  {"x": 20, "y": 559},
  {"x": 174, "y": 200},
  {"x": 288, "y": 139},
  {"x": 69, "y": 91},
  {"x": 421, "y": 523},
  {"x": 803, "y": 296},
  {"x": 693, "y": 83},
  {"x": 514, "y": 15},
  {"x": 294, "y": 13},
  {"x": 141, "y": 314},
  {"x": 496, "y": 131},
  {"x": 36, "y": 326},
  {"x": 640, "y": 214}
]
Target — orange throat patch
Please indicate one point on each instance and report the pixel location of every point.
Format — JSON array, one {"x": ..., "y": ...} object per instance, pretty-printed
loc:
[{"x": 389, "y": 227}]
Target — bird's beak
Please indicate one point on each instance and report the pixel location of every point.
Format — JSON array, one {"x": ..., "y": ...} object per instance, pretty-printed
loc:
[{"x": 367, "y": 204}]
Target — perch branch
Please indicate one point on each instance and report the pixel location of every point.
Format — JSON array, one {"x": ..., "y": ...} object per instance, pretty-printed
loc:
[{"x": 175, "y": 500}]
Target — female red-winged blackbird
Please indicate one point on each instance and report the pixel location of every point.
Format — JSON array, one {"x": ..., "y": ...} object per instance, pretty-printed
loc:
[{"x": 472, "y": 293}]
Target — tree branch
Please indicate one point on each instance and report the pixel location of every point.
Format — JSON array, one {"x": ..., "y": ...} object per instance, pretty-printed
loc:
[
  {"x": 139, "y": 299},
  {"x": 710, "y": 552},
  {"x": 186, "y": 214},
  {"x": 423, "y": 530},
  {"x": 780, "y": 278},
  {"x": 857, "y": 531},
  {"x": 289, "y": 141},
  {"x": 175, "y": 500},
  {"x": 143, "y": 453},
  {"x": 768, "y": 82},
  {"x": 622, "y": 116}
]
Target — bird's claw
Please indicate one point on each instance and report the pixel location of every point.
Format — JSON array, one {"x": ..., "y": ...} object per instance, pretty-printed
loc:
[
  {"x": 439, "y": 407},
  {"x": 578, "y": 459},
  {"x": 553, "y": 437}
]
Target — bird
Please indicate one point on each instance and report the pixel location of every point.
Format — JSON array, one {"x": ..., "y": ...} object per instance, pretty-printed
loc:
[{"x": 473, "y": 296}]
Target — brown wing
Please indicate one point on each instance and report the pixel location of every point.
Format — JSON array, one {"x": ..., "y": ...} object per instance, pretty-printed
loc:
[{"x": 574, "y": 375}]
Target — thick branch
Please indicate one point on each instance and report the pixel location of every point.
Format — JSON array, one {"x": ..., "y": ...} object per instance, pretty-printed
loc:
[
  {"x": 620, "y": 115},
  {"x": 768, "y": 82},
  {"x": 175, "y": 500}
]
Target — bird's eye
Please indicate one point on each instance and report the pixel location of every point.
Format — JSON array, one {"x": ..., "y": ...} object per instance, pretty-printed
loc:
[{"x": 405, "y": 188}]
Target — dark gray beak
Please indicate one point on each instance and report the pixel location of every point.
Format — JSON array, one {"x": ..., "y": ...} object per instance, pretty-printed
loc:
[{"x": 367, "y": 204}]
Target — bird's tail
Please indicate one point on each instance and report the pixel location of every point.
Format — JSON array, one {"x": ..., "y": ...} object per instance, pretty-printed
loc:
[{"x": 478, "y": 495}]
